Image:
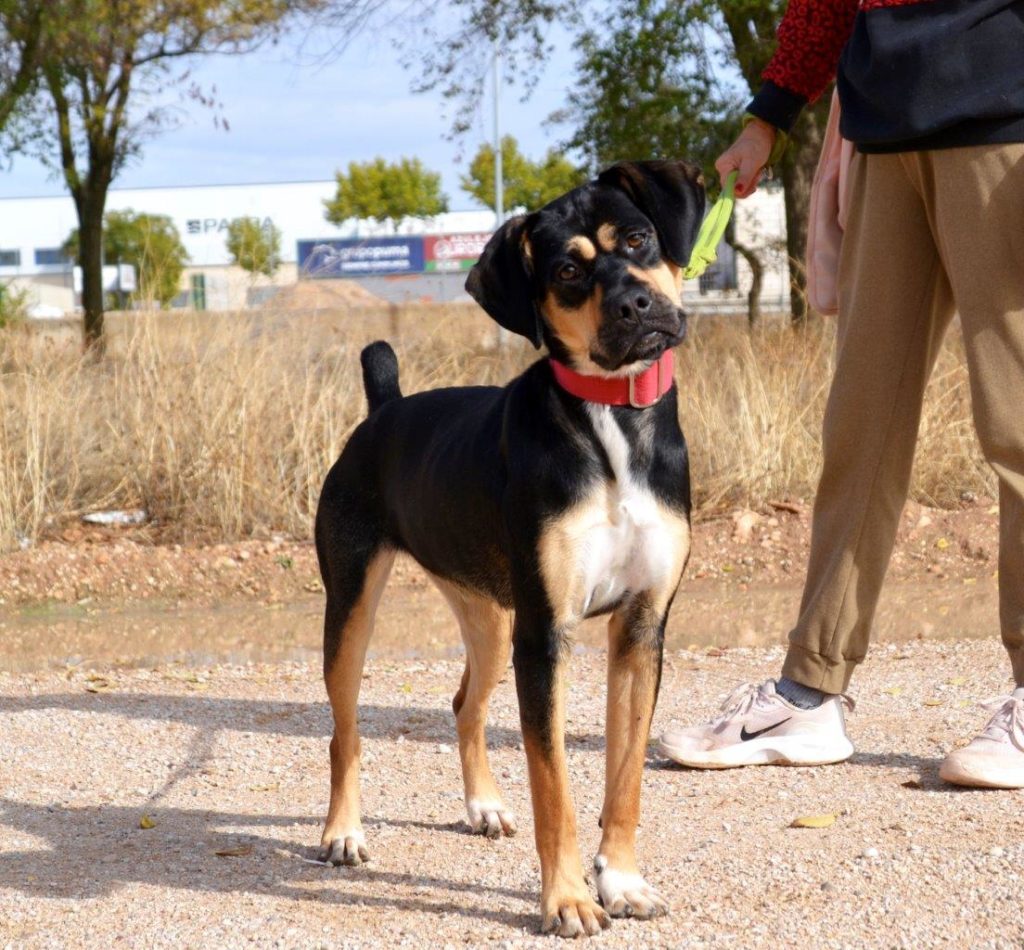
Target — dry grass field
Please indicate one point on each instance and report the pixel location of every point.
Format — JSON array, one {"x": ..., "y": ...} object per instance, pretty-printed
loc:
[{"x": 223, "y": 426}]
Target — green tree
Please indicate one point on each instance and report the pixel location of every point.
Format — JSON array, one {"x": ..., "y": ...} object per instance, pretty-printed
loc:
[
  {"x": 255, "y": 246},
  {"x": 386, "y": 192},
  {"x": 721, "y": 45},
  {"x": 528, "y": 184},
  {"x": 23, "y": 26},
  {"x": 100, "y": 74},
  {"x": 149, "y": 242},
  {"x": 13, "y": 305}
]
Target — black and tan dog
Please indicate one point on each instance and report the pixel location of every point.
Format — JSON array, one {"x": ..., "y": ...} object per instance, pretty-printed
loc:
[{"x": 561, "y": 496}]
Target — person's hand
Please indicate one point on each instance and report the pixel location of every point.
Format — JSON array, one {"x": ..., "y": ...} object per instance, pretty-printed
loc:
[{"x": 749, "y": 154}]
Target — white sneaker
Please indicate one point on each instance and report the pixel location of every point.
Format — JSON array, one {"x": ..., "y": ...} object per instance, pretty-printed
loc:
[
  {"x": 759, "y": 727},
  {"x": 994, "y": 759}
]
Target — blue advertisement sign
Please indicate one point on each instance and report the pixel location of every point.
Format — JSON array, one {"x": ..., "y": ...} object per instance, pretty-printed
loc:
[{"x": 360, "y": 257}]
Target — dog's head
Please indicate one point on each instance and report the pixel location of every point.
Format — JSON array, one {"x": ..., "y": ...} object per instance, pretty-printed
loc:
[{"x": 597, "y": 273}]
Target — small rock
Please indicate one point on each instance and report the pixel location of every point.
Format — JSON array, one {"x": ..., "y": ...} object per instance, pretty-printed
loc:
[
  {"x": 870, "y": 853},
  {"x": 744, "y": 523},
  {"x": 997, "y": 852},
  {"x": 444, "y": 749}
]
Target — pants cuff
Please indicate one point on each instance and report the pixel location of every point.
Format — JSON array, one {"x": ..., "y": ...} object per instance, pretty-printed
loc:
[
  {"x": 1017, "y": 662},
  {"x": 825, "y": 673}
]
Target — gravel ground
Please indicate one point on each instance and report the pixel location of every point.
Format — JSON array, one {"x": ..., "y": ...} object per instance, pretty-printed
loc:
[{"x": 233, "y": 759}]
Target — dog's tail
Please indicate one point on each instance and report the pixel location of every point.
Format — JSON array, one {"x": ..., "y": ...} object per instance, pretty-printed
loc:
[{"x": 380, "y": 374}]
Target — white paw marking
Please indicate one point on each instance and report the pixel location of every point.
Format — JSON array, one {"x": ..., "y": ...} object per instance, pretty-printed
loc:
[
  {"x": 348, "y": 848},
  {"x": 490, "y": 817},
  {"x": 626, "y": 894}
]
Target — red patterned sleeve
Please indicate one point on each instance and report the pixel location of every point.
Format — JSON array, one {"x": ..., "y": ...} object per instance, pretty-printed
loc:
[{"x": 811, "y": 37}]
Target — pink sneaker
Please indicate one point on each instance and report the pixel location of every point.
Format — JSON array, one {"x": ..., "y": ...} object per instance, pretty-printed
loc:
[
  {"x": 994, "y": 759},
  {"x": 759, "y": 727}
]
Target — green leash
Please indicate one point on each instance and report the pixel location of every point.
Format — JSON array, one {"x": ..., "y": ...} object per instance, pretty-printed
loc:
[{"x": 705, "y": 251}]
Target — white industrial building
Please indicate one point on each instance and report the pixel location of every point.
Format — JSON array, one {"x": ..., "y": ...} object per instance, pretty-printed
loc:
[{"x": 33, "y": 230}]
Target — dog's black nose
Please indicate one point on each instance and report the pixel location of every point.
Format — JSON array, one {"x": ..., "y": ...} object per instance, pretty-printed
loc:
[{"x": 635, "y": 305}]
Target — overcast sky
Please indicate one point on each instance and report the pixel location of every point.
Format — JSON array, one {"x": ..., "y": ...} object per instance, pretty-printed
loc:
[{"x": 292, "y": 118}]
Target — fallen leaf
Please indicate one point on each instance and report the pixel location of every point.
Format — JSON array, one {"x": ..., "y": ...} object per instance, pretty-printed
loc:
[
  {"x": 407, "y": 687},
  {"x": 911, "y": 783},
  {"x": 942, "y": 544},
  {"x": 956, "y": 681},
  {"x": 714, "y": 651},
  {"x": 95, "y": 684},
  {"x": 145, "y": 822},
  {"x": 932, "y": 702},
  {"x": 240, "y": 852},
  {"x": 894, "y": 690},
  {"x": 814, "y": 821}
]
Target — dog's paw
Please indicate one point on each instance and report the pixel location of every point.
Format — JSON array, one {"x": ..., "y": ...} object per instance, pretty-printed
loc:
[
  {"x": 489, "y": 817},
  {"x": 348, "y": 848},
  {"x": 625, "y": 894},
  {"x": 573, "y": 917}
]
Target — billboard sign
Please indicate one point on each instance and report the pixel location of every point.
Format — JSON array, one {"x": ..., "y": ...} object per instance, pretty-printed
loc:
[
  {"x": 361, "y": 257},
  {"x": 453, "y": 252}
]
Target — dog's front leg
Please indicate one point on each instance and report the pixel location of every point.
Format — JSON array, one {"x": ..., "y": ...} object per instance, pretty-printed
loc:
[
  {"x": 635, "y": 638},
  {"x": 567, "y": 908}
]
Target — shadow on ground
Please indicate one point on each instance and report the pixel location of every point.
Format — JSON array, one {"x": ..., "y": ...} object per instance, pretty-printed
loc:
[
  {"x": 179, "y": 853},
  {"x": 303, "y": 719}
]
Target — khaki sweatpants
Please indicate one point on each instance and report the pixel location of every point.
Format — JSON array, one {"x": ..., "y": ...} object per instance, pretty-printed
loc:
[{"x": 929, "y": 233}]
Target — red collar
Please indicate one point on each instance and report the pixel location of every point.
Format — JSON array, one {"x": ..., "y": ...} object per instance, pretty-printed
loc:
[{"x": 640, "y": 391}]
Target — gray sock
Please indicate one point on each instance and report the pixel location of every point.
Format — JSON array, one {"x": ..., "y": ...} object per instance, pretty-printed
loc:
[{"x": 803, "y": 697}]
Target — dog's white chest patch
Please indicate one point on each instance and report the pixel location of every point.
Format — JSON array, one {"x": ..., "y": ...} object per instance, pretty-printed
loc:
[{"x": 620, "y": 541}]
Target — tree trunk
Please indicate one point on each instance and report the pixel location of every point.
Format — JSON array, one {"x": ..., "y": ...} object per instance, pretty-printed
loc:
[
  {"x": 797, "y": 175},
  {"x": 90, "y": 259},
  {"x": 757, "y": 280}
]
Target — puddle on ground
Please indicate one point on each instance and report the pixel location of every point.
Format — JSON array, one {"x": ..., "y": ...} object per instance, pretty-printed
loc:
[{"x": 414, "y": 621}]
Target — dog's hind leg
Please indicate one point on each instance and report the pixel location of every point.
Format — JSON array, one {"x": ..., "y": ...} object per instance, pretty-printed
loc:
[
  {"x": 355, "y": 570},
  {"x": 635, "y": 637},
  {"x": 487, "y": 633}
]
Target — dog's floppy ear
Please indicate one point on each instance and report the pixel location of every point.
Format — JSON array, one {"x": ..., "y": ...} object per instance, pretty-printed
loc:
[
  {"x": 670, "y": 194},
  {"x": 501, "y": 281}
]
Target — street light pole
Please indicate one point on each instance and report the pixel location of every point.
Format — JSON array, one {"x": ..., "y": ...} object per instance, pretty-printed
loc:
[
  {"x": 499, "y": 173},
  {"x": 499, "y": 178}
]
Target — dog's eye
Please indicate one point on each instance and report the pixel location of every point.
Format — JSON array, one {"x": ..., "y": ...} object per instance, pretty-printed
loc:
[
  {"x": 636, "y": 239},
  {"x": 568, "y": 272}
]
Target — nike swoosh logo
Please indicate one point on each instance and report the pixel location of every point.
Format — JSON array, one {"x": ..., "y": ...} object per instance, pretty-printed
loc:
[{"x": 747, "y": 736}]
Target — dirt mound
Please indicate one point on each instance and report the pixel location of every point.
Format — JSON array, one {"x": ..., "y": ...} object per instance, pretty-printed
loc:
[{"x": 322, "y": 295}]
